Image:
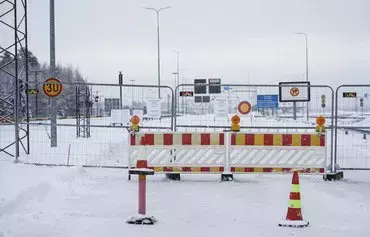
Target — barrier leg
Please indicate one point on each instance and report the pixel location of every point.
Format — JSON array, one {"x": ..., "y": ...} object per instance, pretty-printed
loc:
[{"x": 176, "y": 177}]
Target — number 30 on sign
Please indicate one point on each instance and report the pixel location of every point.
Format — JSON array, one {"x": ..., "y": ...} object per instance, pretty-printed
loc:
[{"x": 52, "y": 87}]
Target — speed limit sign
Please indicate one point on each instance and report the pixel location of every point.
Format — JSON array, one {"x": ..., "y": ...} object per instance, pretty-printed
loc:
[{"x": 52, "y": 87}]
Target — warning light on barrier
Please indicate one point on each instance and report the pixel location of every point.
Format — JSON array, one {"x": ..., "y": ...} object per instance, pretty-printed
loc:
[
  {"x": 135, "y": 120},
  {"x": 235, "y": 120},
  {"x": 320, "y": 124}
]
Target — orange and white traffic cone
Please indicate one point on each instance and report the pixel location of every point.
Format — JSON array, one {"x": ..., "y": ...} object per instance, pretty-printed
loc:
[{"x": 294, "y": 215}]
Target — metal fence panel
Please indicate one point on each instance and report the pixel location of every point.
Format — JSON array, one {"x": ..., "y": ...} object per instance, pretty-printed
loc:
[
  {"x": 352, "y": 150},
  {"x": 90, "y": 132},
  {"x": 202, "y": 112}
]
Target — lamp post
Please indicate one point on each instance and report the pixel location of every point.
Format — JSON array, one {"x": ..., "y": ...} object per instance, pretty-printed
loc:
[
  {"x": 157, "y": 11},
  {"x": 305, "y": 35}
]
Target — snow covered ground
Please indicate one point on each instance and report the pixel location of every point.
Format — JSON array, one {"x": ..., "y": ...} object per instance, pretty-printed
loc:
[{"x": 60, "y": 201}]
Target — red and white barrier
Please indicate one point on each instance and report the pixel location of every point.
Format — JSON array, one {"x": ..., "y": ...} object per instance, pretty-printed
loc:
[{"x": 180, "y": 152}]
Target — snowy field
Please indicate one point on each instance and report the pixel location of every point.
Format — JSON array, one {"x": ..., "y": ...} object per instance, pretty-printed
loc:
[
  {"x": 79, "y": 202},
  {"x": 76, "y": 201}
]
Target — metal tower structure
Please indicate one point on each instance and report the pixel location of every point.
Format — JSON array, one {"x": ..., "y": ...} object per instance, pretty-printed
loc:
[
  {"x": 13, "y": 78},
  {"x": 83, "y": 111}
]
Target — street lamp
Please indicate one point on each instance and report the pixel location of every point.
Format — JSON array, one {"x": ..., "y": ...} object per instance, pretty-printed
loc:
[
  {"x": 159, "y": 61},
  {"x": 305, "y": 35}
]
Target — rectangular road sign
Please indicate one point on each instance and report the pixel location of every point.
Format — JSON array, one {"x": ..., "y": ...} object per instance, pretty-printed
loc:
[
  {"x": 32, "y": 91},
  {"x": 187, "y": 93},
  {"x": 268, "y": 101},
  {"x": 298, "y": 91},
  {"x": 349, "y": 94}
]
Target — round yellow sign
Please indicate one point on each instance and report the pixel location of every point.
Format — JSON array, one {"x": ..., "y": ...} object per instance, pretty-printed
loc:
[{"x": 52, "y": 87}]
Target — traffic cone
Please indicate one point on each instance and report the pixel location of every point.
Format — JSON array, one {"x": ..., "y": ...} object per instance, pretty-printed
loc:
[{"x": 294, "y": 215}]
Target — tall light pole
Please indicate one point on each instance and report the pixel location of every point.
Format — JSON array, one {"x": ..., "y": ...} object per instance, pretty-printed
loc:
[
  {"x": 305, "y": 36},
  {"x": 53, "y": 103},
  {"x": 157, "y": 11}
]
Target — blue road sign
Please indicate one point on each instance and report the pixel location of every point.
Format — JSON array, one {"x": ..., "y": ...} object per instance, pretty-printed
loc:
[
  {"x": 267, "y": 101},
  {"x": 226, "y": 88}
]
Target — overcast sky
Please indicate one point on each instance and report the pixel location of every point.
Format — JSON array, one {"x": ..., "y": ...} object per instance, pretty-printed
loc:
[{"x": 226, "y": 39}]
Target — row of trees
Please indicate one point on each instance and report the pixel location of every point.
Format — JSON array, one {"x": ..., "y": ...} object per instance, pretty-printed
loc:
[{"x": 38, "y": 73}]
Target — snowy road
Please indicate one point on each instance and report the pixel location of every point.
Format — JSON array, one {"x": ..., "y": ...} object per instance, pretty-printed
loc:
[{"x": 44, "y": 201}]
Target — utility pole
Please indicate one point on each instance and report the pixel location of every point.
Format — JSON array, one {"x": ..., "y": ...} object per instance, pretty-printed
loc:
[{"x": 53, "y": 104}]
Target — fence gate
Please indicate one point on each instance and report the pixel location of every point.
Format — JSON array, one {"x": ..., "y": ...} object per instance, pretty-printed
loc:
[{"x": 352, "y": 149}]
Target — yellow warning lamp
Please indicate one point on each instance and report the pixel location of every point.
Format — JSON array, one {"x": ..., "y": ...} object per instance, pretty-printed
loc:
[
  {"x": 135, "y": 120},
  {"x": 320, "y": 124},
  {"x": 235, "y": 120}
]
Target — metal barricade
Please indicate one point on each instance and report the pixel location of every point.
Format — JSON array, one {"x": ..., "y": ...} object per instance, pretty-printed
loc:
[
  {"x": 203, "y": 114},
  {"x": 93, "y": 121},
  {"x": 229, "y": 153},
  {"x": 352, "y": 150}
]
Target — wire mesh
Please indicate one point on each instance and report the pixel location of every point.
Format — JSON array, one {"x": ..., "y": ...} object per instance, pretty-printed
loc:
[
  {"x": 353, "y": 127},
  {"x": 108, "y": 122},
  {"x": 199, "y": 114}
]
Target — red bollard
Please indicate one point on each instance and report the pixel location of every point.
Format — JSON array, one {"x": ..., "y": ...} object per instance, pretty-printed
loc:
[{"x": 142, "y": 170}]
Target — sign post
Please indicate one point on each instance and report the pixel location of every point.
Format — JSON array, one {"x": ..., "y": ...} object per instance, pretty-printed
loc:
[
  {"x": 295, "y": 92},
  {"x": 52, "y": 87}
]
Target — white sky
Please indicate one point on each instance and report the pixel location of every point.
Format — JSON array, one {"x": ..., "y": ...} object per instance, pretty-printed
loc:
[{"x": 227, "y": 39}]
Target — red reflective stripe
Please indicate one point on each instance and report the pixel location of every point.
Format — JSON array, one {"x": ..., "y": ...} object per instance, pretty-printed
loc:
[
  {"x": 221, "y": 169},
  {"x": 286, "y": 169},
  {"x": 221, "y": 139},
  {"x": 205, "y": 139},
  {"x": 295, "y": 178},
  {"x": 305, "y": 140},
  {"x": 233, "y": 139},
  {"x": 267, "y": 170},
  {"x": 322, "y": 140},
  {"x": 322, "y": 170},
  {"x": 249, "y": 170},
  {"x": 249, "y": 139},
  {"x": 167, "y": 169},
  {"x": 295, "y": 196},
  {"x": 186, "y": 169},
  {"x": 232, "y": 169},
  {"x": 149, "y": 139},
  {"x": 132, "y": 140},
  {"x": 204, "y": 169},
  {"x": 186, "y": 139},
  {"x": 167, "y": 139},
  {"x": 268, "y": 139},
  {"x": 287, "y": 139}
]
